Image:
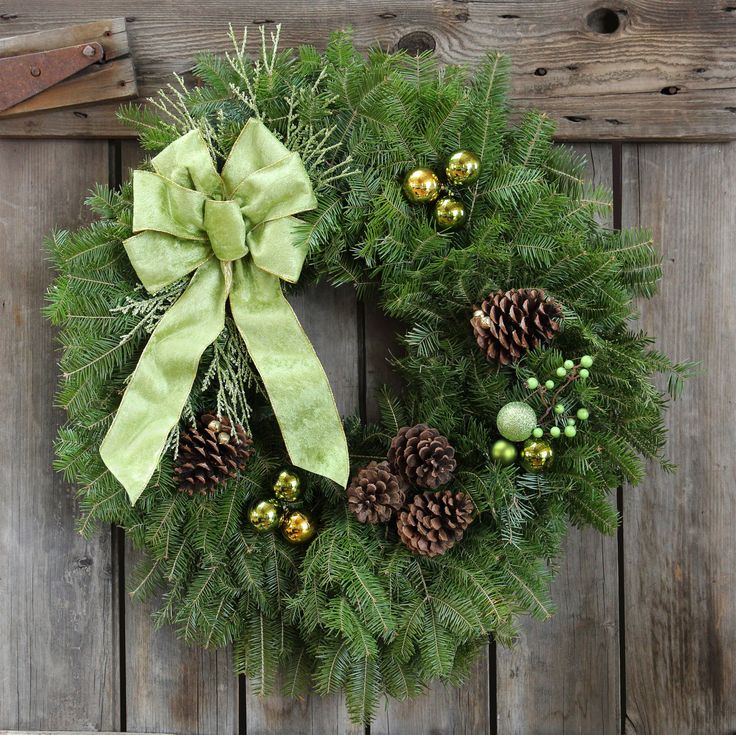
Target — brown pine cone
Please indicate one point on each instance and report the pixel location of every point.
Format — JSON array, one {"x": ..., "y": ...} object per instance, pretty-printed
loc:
[
  {"x": 509, "y": 323},
  {"x": 210, "y": 453},
  {"x": 375, "y": 493},
  {"x": 434, "y": 522},
  {"x": 422, "y": 456}
]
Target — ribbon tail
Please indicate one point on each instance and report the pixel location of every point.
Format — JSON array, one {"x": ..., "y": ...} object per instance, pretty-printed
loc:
[
  {"x": 292, "y": 374},
  {"x": 162, "y": 380}
]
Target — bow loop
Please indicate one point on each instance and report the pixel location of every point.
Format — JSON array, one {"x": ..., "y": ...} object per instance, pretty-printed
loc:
[{"x": 187, "y": 217}]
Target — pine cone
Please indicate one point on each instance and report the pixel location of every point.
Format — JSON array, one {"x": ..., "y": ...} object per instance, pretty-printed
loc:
[
  {"x": 422, "y": 456},
  {"x": 209, "y": 454},
  {"x": 375, "y": 493},
  {"x": 507, "y": 324},
  {"x": 432, "y": 523}
]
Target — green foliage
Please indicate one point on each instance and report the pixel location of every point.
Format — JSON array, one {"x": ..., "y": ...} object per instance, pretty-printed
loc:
[{"x": 355, "y": 610}]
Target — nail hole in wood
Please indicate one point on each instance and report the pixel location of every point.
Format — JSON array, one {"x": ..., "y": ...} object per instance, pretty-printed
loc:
[
  {"x": 540, "y": 72},
  {"x": 603, "y": 20},
  {"x": 77, "y": 113},
  {"x": 576, "y": 118},
  {"x": 509, "y": 16},
  {"x": 8, "y": 16},
  {"x": 464, "y": 17},
  {"x": 130, "y": 19},
  {"x": 729, "y": 9},
  {"x": 417, "y": 42},
  {"x": 669, "y": 90},
  {"x": 613, "y": 121},
  {"x": 387, "y": 16},
  {"x": 730, "y": 109}
]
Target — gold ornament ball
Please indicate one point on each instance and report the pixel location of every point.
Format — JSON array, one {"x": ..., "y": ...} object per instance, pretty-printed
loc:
[
  {"x": 537, "y": 455},
  {"x": 421, "y": 186},
  {"x": 264, "y": 515},
  {"x": 504, "y": 452},
  {"x": 449, "y": 213},
  {"x": 298, "y": 527},
  {"x": 287, "y": 487},
  {"x": 463, "y": 168}
]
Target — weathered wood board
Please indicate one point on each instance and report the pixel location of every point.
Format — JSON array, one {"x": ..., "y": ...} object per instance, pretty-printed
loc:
[
  {"x": 563, "y": 675},
  {"x": 679, "y": 548},
  {"x": 59, "y": 651},
  {"x": 643, "y": 69}
]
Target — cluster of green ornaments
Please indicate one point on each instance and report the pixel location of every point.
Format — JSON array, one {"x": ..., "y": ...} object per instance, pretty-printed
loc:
[
  {"x": 423, "y": 186},
  {"x": 297, "y": 526},
  {"x": 518, "y": 422}
]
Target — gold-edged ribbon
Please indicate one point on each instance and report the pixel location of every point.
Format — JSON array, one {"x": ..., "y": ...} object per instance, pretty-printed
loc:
[{"x": 236, "y": 231}]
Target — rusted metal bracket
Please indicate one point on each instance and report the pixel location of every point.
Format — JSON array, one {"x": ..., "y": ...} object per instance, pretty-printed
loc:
[
  {"x": 25, "y": 76},
  {"x": 65, "y": 67}
]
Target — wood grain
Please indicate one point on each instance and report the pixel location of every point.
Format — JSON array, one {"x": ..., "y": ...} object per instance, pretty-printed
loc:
[
  {"x": 169, "y": 685},
  {"x": 563, "y": 674},
  {"x": 679, "y": 548},
  {"x": 666, "y": 71},
  {"x": 58, "y": 631},
  {"x": 114, "y": 79},
  {"x": 330, "y": 319}
]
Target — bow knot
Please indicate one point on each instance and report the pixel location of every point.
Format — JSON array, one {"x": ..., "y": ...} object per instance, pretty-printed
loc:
[{"x": 189, "y": 218}]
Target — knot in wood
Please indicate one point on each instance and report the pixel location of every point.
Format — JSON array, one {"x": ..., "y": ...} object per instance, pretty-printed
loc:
[{"x": 417, "y": 42}]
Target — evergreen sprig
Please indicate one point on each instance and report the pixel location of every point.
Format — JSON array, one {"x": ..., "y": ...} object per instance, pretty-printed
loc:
[{"x": 355, "y": 611}]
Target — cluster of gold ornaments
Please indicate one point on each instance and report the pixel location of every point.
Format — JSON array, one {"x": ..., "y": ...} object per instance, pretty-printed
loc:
[
  {"x": 423, "y": 186},
  {"x": 297, "y": 526}
]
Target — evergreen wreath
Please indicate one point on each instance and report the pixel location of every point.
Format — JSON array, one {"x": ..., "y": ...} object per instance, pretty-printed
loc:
[{"x": 518, "y": 324}]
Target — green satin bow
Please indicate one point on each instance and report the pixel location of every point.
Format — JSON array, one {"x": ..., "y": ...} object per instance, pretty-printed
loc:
[{"x": 236, "y": 232}]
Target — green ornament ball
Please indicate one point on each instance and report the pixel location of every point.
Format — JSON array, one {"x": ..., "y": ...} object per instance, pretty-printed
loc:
[
  {"x": 568, "y": 364},
  {"x": 549, "y": 384},
  {"x": 538, "y": 433},
  {"x": 532, "y": 383},
  {"x": 555, "y": 432},
  {"x": 561, "y": 372},
  {"x": 583, "y": 414},
  {"x": 570, "y": 431},
  {"x": 516, "y": 421},
  {"x": 571, "y": 422},
  {"x": 503, "y": 452},
  {"x": 559, "y": 408},
  {"x": 584, "y": 374},
  {"x": 586, "y": 361}
]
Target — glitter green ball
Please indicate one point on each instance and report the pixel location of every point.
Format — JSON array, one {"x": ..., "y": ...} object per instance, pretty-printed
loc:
[
  {"x": 538, "y": 433},
  {"x": 549, "y": 384},
  {"x": 568, "y": 364},
  {"x": 583, "y": 414},
  {"x": 570, "y": 431},
  {"x": 532, "y": 383},
  {"x": 586, "y": 361},
  {"x": 516, "y": 421},
  {"x": 559, "y": 408},
  {"x": 584, "y": 374},
  {"x": 561, "y": 372},
  {"x": 555, "y": 432}
]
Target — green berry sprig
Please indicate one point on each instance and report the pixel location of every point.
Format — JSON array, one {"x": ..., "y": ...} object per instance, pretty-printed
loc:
[{"x": 550, "y": 395}]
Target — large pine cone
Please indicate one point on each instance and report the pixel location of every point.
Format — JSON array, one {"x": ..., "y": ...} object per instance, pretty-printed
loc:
[
  {"x": 432, "y": 523},
  {"x": 509, "y": 323},
  {"x": 210, "y": 454},
  {"x": 422, "y": 456},
  {"x": 375, "y": 493}
]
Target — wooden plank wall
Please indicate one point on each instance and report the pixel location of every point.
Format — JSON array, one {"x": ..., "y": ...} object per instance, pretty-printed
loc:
[{"x": 644, "y": 642}]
